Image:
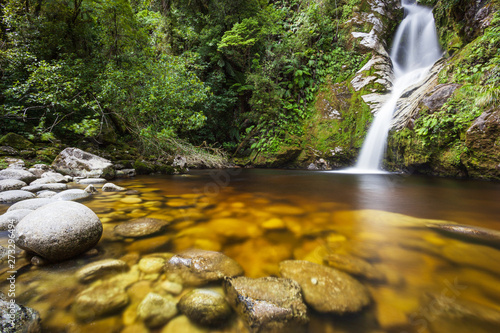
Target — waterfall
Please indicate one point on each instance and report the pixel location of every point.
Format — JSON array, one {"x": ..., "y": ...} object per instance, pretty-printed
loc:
[{"x": 414, "y": 50}]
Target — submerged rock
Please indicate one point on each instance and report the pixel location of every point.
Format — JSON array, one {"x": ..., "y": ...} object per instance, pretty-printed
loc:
[
  {"x": 205, "y": 307},
  {"x": 76, "y": 162},
  {"x": 59, "y": 230},
  {"x": 355, "y": 266},
  {"x": 99, "y": 300},
  {"x": 198, "y": 267},
  {"x": 12, "y": 217},
  {"x": 30, "y": 204},
  {"x": 100, "y": 268},
  {"x": 11, "y": 184},
  {"x": 140, "y": 228},
  {"x": 268, "y": 304},
  {"x": 16, "y": 318},
  {"x": 477, "y": 234},
  {"x": 156, "y": 310},
  {"x": 15, "y": 196},
  {"x": 326, "y": 289},
  {"x": 17, "y": 174}
]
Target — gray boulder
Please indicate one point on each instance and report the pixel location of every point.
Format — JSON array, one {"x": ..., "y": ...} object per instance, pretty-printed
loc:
[
  {"x": 268, "y": 304},
  {"x": 59, "y": 231},
  {"x": 197, "y": 267},
  {"x": 49, "y": 186},
  {"x": 57, "y": 177},
  {"x": 39, "y": 169},
  {"x": 17, "y": 318},
  {"x": 71, "y": 195},
  {"x": 30, "y": 204},
  {"x": 205, "y": 307},
  {"x": 12, "y": 217},
  {"x": 326, "y": 289},
  {"x": 90, "y": 181},
  {"x": 11, "y": 184},
  {"x": 45, "y": 194},
  {"x": 110, "y": 187},
  {"x": 15, "y": 196},
  {"x": 78, "y": 163},
  {"x": 18, "y": 174}
]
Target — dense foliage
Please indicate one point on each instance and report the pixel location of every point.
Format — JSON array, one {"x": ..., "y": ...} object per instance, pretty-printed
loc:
[{"x": 219, "y": 72}]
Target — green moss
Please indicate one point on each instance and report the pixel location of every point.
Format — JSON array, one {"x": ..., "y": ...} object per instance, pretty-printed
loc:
[{"x": 16, "y": 141}]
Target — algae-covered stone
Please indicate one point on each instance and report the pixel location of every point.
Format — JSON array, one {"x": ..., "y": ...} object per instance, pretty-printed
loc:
[
  {"x": 326, "y": 289},
  {"x": 140, "y": 228},
  {"x": 197, "y": 267},
  {"x": 268, "y": 304},
  {"x": 156, "y": 310},
  {"x": 100, "y": 268},
  {"x": 99, "y": 300},
  {"x": 17, "y": 318},
  {"x": 16, "y": 141},
  {"x": 205, "y": 307}
]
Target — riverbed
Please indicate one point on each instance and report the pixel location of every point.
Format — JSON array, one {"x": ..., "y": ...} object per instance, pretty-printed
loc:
[{"x": 427, "y": 280}]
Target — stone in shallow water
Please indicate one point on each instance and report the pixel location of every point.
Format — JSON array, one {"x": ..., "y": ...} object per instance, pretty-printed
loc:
[
  {"x": 326, "y": 289},
  {"x": 59, "y": 231},
  {"x": 11, "y": 184},
  {"x": 205, "y": 307},
  {"x": 182, "y": 324},
  {"x": 13, "y": 196},
  {"x": 131, "y": 200},
  {"x": 99, "y": 300},
  {"x": 71, "y": 195},
  {"x": 151, "y": 265},
  {"x": 46, "y": 194},
  {"x": 30, "y": 204},
  {"x": 110, "y": 187},
  {"x": 198, "y": 267},
  {"x": 12, "y": 217},
  {"x": 91, "y": 181},
  {"x": 140, "y": 228},
  {"x": 50, "y": 187},
  {"x": 156, "y": 310},
  {"x": 472, "y": 233},
  {"x": 268, "y": 304},
  {"x": 18, "y": 174},
  {"x": 354, "y": 266},
  {"x": 100, "y": 268},
  {"x": 16, "y": 318}
]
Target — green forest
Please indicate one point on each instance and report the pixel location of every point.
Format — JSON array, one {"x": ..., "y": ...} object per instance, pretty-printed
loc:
[{"x": 227, "y": 81}]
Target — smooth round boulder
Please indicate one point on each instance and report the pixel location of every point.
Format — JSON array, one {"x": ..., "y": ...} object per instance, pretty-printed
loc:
[
  {"x": 15, "y": 196},
  {"x": 12, "y": 217},
  {"x": 30, "y": 204},
  {"x": 59, "y": 231},
  {"x": 71, "y": 195},
  {"x": 88, "y": 181},
  {"x": 205, "y": 307},
  {"x": 45, "y": 194},
  {"x": 19, "y": 174},
  {"x": 11, "y": 184},
  {"x": 50, "y": 187}
]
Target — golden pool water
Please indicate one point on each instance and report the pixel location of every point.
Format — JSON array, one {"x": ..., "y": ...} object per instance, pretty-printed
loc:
[{"x": 427, "y": 281}]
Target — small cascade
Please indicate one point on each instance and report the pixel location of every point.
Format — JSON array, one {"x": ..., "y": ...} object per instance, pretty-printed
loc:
[{"x": 415, "y": 49}]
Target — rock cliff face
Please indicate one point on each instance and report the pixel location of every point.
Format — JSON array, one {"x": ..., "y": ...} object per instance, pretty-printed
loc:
[{"x": 450, "y": 125}]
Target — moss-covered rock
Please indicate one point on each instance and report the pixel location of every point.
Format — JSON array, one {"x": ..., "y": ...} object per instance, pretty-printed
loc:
[{"x": 16, "y": 141}]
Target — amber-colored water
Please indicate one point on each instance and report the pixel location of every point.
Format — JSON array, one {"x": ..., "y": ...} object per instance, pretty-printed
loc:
[{"x": 432, "y": 282}]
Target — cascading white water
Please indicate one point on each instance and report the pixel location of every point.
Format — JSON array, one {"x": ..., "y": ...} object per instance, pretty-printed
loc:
[{"x": 415, "y": 49}]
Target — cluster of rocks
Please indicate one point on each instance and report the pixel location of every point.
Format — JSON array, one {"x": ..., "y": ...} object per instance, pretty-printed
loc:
[{"x": 208, "y": 288}]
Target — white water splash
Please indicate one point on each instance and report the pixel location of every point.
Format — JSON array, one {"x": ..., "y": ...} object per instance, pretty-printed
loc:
[{"x": 415, "y": 49}]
